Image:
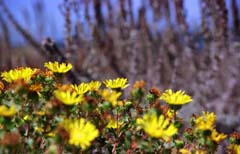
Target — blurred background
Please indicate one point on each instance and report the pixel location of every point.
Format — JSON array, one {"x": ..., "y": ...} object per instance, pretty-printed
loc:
[{"x": 192, "y": 45}]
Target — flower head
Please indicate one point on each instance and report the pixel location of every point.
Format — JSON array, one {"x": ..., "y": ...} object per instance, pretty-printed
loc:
[
  {"x": 184, "y": 151},
  {"x": 36, "y": 87},
  {"x": 111, "y": 96},
  {"x": 45, "y": 73},
  {"x": 7, "y": 112},
  {"x": 114, "y": 124},
  {"x": 58, "y": 68},
  {"x": 68, "y": 97},
  {"x": 157, "y": 126},
  {"x": 40, "y": 113},
  {"x": 81, "y": 133},
  {"x": 155, "y": 91},
  {"x": 139, "y": 85},
  {"x": 206, "y": 121},
  {"x": 234, "y": 148},
  {"x": 119, "y": 83},
  {"x": 22, "y": 73},
  {"x": 198, "y": 151},
  {"x": 177, "y": 98},
  {"x": 235, "y": 138},
  {"x": 39, "y": 129},
  {"x": 170, "y": 113},
  {"x": 217, "y": 137},
  {"x": 81, "y": 88},
  {"x": 94, "y": 85}
]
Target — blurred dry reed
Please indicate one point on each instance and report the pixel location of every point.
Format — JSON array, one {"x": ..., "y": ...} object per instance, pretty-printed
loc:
[{"x": 116, "y": 40}]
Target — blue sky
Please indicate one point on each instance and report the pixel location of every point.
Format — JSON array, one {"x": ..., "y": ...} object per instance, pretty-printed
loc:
[
  {"x": 16, "y": 6},
  {"x": 24, "y": 13}
]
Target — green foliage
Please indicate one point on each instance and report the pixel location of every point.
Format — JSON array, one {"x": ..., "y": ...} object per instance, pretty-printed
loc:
[{"x": 34, "y": 120}]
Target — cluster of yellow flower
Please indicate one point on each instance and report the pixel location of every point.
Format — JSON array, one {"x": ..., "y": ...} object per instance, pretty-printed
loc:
[
  {"x": 74, "y": 93},
  {"x": 18, "y": 74},
  {"x": 204, "y": 129},
  {"x": 58, "y": 68},
  {"x": 81, "y": 132},
  {"x": 206, "y": 122},
  {"x": 80, "y": 113},
  {"x": 178, "y": 98},
  {"x": 157, "y": 126},
  {"x": 7, "y": 112}
]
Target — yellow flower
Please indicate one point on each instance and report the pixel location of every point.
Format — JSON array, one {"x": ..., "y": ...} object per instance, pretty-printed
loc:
[
  {"x": 51, "y": 134},
  {"x": 39, "y": 129},
  {"x": 81, "y": 133},
  {"x": 122, "y": 103},
  {"x": 40, "y": 113},
  {"x": 119, "y": 83},
  {"x": 81, "y": 89},
  {"x": 58, "y": 68},
  {"x": 170, "y": 113},
  {"x": 177, "y": 98},
  {"x": 111, "y": 96},
  {"x": 201, "y": 152},
  {"x": 68, "y": 97},
  {"x": 22, "y": 73},
  {"x": 234, "y": 148},
  {"x": 184, "y": 151},
  {"x": 206, "y": 121},
  {"x": 94, "y": 85},
  {"x": 7, "y": 112},
  {"x": 26, "y": 118},
  {"x": 217, "y": 137},
  {"x": 114, "y": 124},
  {"x": 158, "y": 127}
]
